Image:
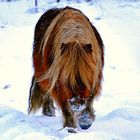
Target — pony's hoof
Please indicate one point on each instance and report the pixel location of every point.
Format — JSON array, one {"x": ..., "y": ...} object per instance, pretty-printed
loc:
[
  {"x": 85, "y": 125},
  {"x": 85, "y": 121},
  {"x": 49, "y": 113},
  {"x": 71, "y": 130}
]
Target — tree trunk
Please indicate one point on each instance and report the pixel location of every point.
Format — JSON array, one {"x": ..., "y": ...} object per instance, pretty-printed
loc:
[
  {"x": 36, "y": 6},
  {"x": 36, "y": 3}
]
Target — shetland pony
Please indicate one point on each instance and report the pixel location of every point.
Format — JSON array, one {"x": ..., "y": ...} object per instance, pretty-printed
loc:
[{"x": 68, "y": 59}]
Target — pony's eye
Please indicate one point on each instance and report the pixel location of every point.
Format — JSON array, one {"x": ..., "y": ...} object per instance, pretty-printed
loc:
[
  {"x": 83, "y": 102},
  {"x": 63, "y": 48},
  {"x": 88, "y": 48}
]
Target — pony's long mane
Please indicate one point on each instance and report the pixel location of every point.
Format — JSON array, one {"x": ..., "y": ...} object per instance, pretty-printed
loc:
[{"x": 72, "y": 28}]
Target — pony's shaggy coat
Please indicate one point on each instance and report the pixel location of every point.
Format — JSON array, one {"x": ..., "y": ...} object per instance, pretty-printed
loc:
[{"x": 68, "y": 59}]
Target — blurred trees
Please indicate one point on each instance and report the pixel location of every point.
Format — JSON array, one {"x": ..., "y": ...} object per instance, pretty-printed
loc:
[{"x": 78, "y": 0}]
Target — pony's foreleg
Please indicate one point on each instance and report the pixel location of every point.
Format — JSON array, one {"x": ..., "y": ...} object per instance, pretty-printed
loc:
[
  {"x": 69, "y": 120},
  {"x": 87, "y": 116},
  {"x": 68, "y": 115}
]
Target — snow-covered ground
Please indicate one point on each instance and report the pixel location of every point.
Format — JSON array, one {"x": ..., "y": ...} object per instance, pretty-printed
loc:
[{"x": 117, "y": 110}]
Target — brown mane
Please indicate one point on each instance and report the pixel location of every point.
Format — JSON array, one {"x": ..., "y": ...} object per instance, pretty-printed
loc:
[{"x": 74, "y": 28}]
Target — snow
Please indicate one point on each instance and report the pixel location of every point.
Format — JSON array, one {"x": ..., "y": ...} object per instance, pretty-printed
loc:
[{"x": 117, "y": 110}]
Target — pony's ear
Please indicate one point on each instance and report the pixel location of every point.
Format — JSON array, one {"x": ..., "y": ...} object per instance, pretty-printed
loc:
[
  {"x": 63, "y": 48},
  {"x": 88, "y": 48}
]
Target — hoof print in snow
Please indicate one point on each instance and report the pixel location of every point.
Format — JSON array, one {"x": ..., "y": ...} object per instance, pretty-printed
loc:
[
  {"x": 85, "y": 121},
  {"x": 7, "y": 86},
  {"x": 2, "y": 26}
]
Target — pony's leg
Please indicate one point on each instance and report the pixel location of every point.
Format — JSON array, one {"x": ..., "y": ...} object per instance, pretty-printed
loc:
[
  {"x": 48, "y": 107},
  {"x": 87, "y": 116},
  {"x": 37, "y": 99},
  {"x": 68, "y": 115},
  {"x": 69, "y": 120}
]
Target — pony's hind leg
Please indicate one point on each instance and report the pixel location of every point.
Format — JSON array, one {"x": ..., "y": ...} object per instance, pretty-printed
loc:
[
  {"x": 48, "y": 106},
  {"x": 35, "y": 97},
  {"x": 38, "y": 99}
]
